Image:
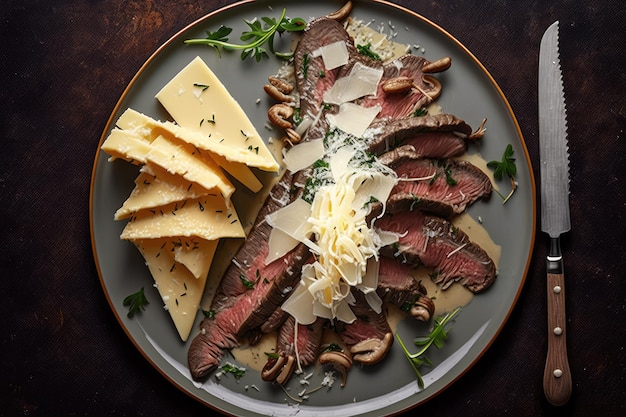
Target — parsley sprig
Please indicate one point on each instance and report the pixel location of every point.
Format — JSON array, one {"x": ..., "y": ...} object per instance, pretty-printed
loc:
[
  {"x": 260, "y": 33},
  {"x": 135, "y": 302},
  {"x": 505, "y": 167},
  {"x": 436, "y": 337}
]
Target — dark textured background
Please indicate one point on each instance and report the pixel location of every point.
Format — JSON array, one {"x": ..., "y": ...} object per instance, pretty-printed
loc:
[{"x": 64, "y": 65}]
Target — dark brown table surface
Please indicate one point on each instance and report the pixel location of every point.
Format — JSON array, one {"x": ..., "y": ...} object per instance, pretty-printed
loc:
[{"x": 64, "y": 65}]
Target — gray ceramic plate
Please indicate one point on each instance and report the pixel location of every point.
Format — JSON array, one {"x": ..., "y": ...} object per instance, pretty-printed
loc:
[{"x": 386, "y": 388}]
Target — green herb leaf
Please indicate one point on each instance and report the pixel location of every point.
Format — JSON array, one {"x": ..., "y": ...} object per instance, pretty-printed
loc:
[
  {"x": 437, "y": 337},
  {"x": 246, "y": 283},
  {"x": 367, "y": 51},
  {"x": 505, "y": 167},
  {"x": 260, "y": 32},
  {"x": 229, "y": 368},
  {"x": 135, "y": 302}
]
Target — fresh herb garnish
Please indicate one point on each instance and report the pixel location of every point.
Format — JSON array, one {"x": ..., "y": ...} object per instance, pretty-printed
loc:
[
  {"x": 210, "y": 314},
  {"x": 306, "y": 60},
  {"x": 437, "y": 336},
  {"x": 333, "y": 347},
  {"x": 372, "y": 200},
  {"x": 367, "y": 51},
  {"x": 229, "y": 368},
  {"x": 449, "y": 179},
  {"x": 420, "y": 112},
  {"x": 246, "y": 283},
  {"x": 506, "y": 166},
  {"x": 136, "y": 303},
  {"x": 260, "y": 33}
]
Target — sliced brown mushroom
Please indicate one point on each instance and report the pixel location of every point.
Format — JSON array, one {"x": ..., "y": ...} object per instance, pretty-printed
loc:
[
  {"x": 282, "y": 85},
  {"x": 276, "y": 94},
  {"x": 278, "y": 368},
  {"x": 279, "y": 115},
  {"x": 402, "y": 85},
  {"x": 480, "y": 131},
  {"x": 422, "y": 309},
  {"x": 370, "y": 351},
  {"x": 439, "y": 65},
  {"x": 435, "y": 87},
  {"x": 342, "y": 13},
  {"x": 340, "y": 362}
]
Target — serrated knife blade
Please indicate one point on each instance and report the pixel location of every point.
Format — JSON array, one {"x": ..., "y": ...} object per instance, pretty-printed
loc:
[{"x": 555, "y": 214}]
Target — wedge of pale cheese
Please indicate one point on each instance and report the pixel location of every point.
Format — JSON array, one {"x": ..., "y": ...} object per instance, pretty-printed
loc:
[
  {"x": 149, "y": 129},
  {"x": 207, "y": 217},
  {"x": 179, "y": 289},
  {"x": 198, "y": 100},
  {"x": 185, "y": 160},
  {"x": 155, "y": 187},
  {"x": 126, "y": 145},
  {"x": 195, "y": 253}
]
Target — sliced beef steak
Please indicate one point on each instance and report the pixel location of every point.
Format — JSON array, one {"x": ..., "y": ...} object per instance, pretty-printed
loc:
[
  {"x": 437, "y": 243},
  {"x": 400, "y": 105},
  {"x": 313, "y": 79},
  {"x": 250, "y": 291},
  {"x": 397, "y": 285},
  {"x": 316, "y": 80},
  {"x": 441, "y": 186},
  {"x": 369, "y": 337},
  {"x": 432, "y": 136},
  {"x": 309, "y": 338}
]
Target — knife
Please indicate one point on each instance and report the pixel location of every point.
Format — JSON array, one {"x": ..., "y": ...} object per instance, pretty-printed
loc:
[{"x": 555, "y": 216}]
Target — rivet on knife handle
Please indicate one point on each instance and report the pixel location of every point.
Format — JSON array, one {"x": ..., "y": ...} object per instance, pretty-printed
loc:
[{"x": 557, "y": 379}]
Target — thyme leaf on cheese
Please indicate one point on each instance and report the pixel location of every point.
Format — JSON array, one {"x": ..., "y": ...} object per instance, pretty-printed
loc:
[
  {"x": 505, "y": 167},
  {"x": 259, "y": 36},
  {"x": 135, "y": 302},
  {"x": 436, "y": 337}
]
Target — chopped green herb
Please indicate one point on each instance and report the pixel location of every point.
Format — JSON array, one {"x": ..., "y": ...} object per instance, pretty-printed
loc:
[
  {"x": 367, "y": 51},
  {"x": 135, "y": 302},
  {"x": 449, "y": 180},
  {"x": 229, "y": 368},
  {"x": 420, "y": 112},
  {"x": 372, "y": 200},
  {"x": 246, "y": 283},
  {"x": 333, "y": 347},
  {"x": 202, "y": 86},
  {"x": 210, "y": 314}
]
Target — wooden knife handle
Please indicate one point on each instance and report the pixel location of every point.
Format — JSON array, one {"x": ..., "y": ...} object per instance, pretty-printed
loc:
[{"x": 557, "y": 379}]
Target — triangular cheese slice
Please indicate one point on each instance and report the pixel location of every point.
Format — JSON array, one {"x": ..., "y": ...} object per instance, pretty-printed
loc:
[
  {"x": 195, "y": 253},
  {"x": 187, "y": 161},
  {"x": 198, "y": 100},
  {"x": 207, "y": 217},
  {"x": 180, "y": 291},
  {"x": 126, "y": 145},
  {"x": 155, "y": 187}
]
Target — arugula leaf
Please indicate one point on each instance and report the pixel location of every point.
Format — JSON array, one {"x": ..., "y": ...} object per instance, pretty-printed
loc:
[
  {"x": 437, "y": 337},
  {"x": 260, "y": 32},
  {"x": 505, "y": 167},
  {"x": 135, "y": 302}
]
